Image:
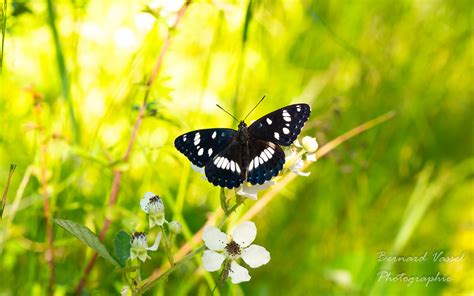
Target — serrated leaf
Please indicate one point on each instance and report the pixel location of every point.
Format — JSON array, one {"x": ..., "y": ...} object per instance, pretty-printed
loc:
[
  {"x": 85, "y": 235},
  {"x": 122, "y": 247}
]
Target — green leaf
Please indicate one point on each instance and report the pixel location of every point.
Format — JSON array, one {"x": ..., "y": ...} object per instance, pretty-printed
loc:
[
  {"x": 85, "y": 235},
  {"x": 122, "y": 247}
]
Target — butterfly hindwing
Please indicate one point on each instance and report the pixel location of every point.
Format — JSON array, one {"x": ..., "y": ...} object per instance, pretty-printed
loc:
[
  {"x": 226, "y": 169},
  {"x": 266, "y": 160},
  {"x": 281, "y": 126},
  {"x": 200, "y": 146}
]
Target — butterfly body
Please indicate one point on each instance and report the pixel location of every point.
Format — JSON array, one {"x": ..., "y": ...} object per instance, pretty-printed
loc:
[{"x": 252, "y": 153}]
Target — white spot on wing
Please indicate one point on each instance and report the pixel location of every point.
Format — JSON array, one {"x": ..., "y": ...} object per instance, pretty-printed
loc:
[
  {"x": 201, "y": 151},
  {"x": 264, "y": 156},
  {"x": 232, "y": 166},
  {"x": 225, "y": 163},
  {"x": 276, "y": 135},
  {"x": 184, "y": 138},
  {"x": 214, "y": 134},
  {"x": 251, "y": 165},
  {"x": 286, "y": 131},
  {"x": 209, "y": 152},
  {"x": 256, "y": 162},
  {"x": 216, "y": 160},
  {"x": 269, "y": 121},
  {"x": 221, "y": 161},
  {"x": 237, "y": 167},
  {"x": 267, "y": 153}
]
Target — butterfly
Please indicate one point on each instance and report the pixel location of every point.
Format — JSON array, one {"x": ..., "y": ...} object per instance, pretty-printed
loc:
[{"x": 251, "y": 153}]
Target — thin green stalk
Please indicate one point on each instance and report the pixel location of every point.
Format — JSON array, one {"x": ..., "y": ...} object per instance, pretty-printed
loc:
[
  {"x": 65, "y": 84},
  {"x": 4, "y": 29},
  {"x": 167, "y": 244},
  {"x": 5, "y": 191}
]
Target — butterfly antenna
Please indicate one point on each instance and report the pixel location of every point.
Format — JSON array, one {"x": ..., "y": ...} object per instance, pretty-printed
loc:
[
  {"x": 227, "y": 112},
  {"x": 254, "y": 107}
]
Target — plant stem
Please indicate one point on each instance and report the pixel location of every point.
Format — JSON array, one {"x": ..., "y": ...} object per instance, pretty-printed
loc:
[
  {"x": 5, "y": 191},
  {"x": 43, "y": 179},
  {"x": 167, "y": 243},
  {"x": 4, "y": 29}
]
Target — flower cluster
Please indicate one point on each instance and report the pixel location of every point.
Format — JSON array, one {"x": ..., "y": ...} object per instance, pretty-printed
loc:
[
  {"x": 154, "y": 207},
  {"x": 298, "y": 153}
]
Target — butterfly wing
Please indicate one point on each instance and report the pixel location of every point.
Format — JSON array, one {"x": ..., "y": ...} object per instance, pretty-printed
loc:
[
  {"x": 201, "y": 145},
  {"x": 226, "y": 169},
  {"x": 281, "y": 126},
  {"x": 266, "y": 160}
]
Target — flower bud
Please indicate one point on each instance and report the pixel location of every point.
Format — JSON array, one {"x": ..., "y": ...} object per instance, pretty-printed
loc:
[
  {"x": 309, "y": 144},
  {"x": 175, "y": 227}
]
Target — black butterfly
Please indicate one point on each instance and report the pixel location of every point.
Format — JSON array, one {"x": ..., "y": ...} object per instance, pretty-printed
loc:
[{"x": 251, "y": 153}]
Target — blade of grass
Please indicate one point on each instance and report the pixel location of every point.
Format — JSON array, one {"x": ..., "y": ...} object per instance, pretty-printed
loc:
[
  {"x": 63, "y": 73},
  {"x": 4, "y": 29},
  {"x": 5, "y": 191}
]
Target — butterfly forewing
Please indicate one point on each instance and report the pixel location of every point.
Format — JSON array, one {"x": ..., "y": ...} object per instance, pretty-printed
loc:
[
  {"x": 281, "y": 126},
  {"x": 226, "y": 168},
  {"x": 201, "y": 145},
  {"x": 266, "y": 160}
]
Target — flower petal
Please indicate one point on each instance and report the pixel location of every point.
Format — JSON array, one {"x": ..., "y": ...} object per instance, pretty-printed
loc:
[
  {"x": 238, "y": 273},
  {"x": 297, "y": 143},
  {"x": 304, "y": 174},
  {"x": 214, "y": 239},
  {"x": 212, "y": 261},
  {"x": 244, "y": 234},
  {"x": 144, "y": 201},
  {"x": 252, "y": 191},
  {"x": 156, "y": 243},
  {"x": 197, "y": 169},
  {"x": 255, "y": 256}
]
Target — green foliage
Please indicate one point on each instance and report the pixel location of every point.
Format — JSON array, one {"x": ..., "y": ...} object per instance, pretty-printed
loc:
[
  {"x": 86, "y": 236},
  {"x": 122, "y": 247}
]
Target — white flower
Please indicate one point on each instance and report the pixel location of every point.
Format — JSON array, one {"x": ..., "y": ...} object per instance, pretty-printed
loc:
[
  {"x": 154, "y": 207},
  {"x": 223, "y": 248},
  {"x": 140, "y": 246},
  {"x": 251, "y": 191},
  {"x": 295, "y": 163}
]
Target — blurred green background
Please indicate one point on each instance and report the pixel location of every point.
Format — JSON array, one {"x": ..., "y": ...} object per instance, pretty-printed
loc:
[{"x": 73, "y": 78}]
